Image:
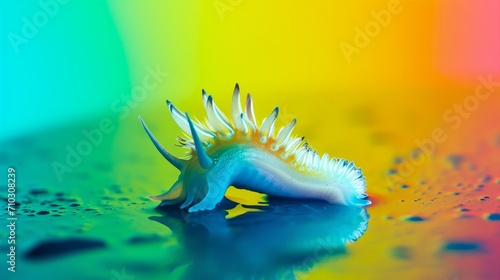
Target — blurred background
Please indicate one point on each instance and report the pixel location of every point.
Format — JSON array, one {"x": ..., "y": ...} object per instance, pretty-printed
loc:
[{"x": 409, "y": 90}]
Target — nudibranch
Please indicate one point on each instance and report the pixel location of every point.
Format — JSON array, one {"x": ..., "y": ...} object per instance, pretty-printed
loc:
[{"x": 247, "y": 156}]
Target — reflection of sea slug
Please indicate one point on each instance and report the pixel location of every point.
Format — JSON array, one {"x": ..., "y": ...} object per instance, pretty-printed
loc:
[
  {"x": 284, "y": 238},
  {"x": 247, "y": 156}
]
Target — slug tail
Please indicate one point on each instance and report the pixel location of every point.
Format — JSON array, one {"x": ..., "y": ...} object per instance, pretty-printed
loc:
[{"x": 347, "y": 174}]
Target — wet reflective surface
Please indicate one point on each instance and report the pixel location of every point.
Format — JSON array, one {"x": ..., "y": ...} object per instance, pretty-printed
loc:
[
  {"x": 283, "y": 237},
  {"x": 435, "y": 220}
]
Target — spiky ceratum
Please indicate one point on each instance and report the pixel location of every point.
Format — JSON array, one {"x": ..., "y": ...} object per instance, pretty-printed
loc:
[{"x": 244, "y": 155}]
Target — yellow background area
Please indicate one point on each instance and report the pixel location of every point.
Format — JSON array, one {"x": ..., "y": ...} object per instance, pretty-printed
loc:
[{"x": 367, "y": 106}]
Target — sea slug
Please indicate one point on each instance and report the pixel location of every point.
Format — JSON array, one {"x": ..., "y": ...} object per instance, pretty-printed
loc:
[{"x": 248, "y": 156}]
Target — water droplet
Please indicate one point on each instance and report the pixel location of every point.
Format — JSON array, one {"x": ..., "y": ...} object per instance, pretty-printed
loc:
[
  {"x": 38, "y": 191},
  {"x": 398, "y": 160},
  {"x": 401, "y": 252},
  {"x": 414, "y": 219},
  {"x": 493, "y": 217},
  {"x": 486, "y": 179},
  {"x": 455, "y": 160},
  {"x": 465, "y": 217},
  {"x": 460, "y": 247},
  {"x": 391, "y": 171},
  {"x": 55, "y": 248},
  {"x": 144, "y": 239}
]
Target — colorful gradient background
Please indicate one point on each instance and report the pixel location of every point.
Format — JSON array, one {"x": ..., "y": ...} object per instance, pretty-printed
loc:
[{"x": 87, "y": 61}]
